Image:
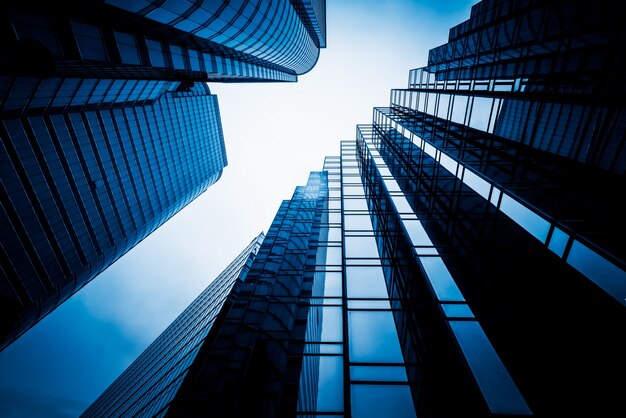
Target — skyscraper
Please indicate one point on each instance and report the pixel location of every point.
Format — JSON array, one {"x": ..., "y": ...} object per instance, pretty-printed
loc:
[
  {"x": 462, "y": 258},
  {"x": 108, "y": 128},
  {"x": 147, "y": 387}
]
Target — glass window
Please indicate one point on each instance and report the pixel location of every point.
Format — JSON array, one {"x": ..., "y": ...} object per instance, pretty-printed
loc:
[
  {"x": 332, "y": 329},
  {"x": 597, "y": 268},
  {"x": 333, "y": 256},
  {"x": 558, "y": 241},
  {"x": 155, "y": 51},
  {"x": 366, "y": 282},
  {"x": 361, "y": 247},
  {"x": 373, "y": 337},
  {"x": 89, "y": 41},
  {"x": 127, "y": 45},
  {"x": 334, "y": 234},
  {"x": 354, "y": 204},
  {"x": 382, "y": 373},
  {"x": 417, "y": 233},
  {"x": 524, "y": 217},
  {"x": 476, "y": 183},
  {"x": 353, "y": 190},
  {"x": 162, "y": 15},
  {"x": 375, "y": 401},
  {"x": 328, "y": 384},
  {"x": 334, "y": 204},
  {"x": 334, "y": 218},
  {"x": 369, "y": 304},
  {"x": 177, "y": 57},
  {"x": 194, "y": 59},
  {"x": 323, "y": 348},
  {"x": 457, "y": 310},
  {"x": 332, "y": 284},
  {"x": 481, "y": 112},
  {"x": 440, "y": 279},
  {"x": 494, "y": 381},
  {"x": 358, "y": 222}
]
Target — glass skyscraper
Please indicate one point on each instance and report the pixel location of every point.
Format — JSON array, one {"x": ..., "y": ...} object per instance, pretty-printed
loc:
[
  {"x": 148, "y": 386},
  {"x": 108, "y": 128},
  {"x": 462, "y": 257}
]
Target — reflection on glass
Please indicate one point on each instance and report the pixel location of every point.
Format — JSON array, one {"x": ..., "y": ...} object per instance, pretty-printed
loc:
[
  {"x": 363, "y": 261},
  {"x": 332, "y": 285},
  {"x": 334, "y": 234},
  {"x": 350, "y": 170},
  {"x": 353, "y": 190},
  {"x": 334, "y": 204},
  {"x": 381, "y": 373},
  {"x": 321, "y": 378},
  {"x": 448, "y": 163},
  {"x": 331, "y": 324},
  {"x": 558, "y": 241},
  {"x": 369, "y": 304},
  {"x": 323, "y": 348},
  {"x": 602, "y": 272},
  {"x": 459, "y": 108},
  {"x": 494, "y": 381},
  {"x": 376, "y": 401},
  {"x": 333, "y": 256},
  {"x": 417, "y": 233},
  {"x": 358, "y": 222},
  {"x": 354, "y": 204},
  {"x": 524, "y": 217},
  {"x": 334, "y": 218},
  {"x": 429, "y": 149},
  {"x": 457, "y": 310},
  {"x": 334, "y": 193},
  {"x": 366, "y": 282},
  {"x": 319, "y": 279},
  {"x": 373, "y": 337},
  {"x": 440, "y": 279},
  {"x": 361, "y": 247},
  {"x": 495, "y": 196},
  {"x": 481, "y": 112},
  {"x": 476, "y": 183},
  {"x": 384, "y": 172},
  {"x": 401, "y": 204}
]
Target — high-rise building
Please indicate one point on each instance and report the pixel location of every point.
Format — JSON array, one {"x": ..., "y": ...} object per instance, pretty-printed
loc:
[
  {"x": 149, "y": 384},
  {"x": 463, "y": 257},
  {"x": 108, "y": 128}
]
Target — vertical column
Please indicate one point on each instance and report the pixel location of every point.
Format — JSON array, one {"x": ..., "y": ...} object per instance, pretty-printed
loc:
[
  {"x": 377, "y": 373},
  {"x": 321, "y": 388}
]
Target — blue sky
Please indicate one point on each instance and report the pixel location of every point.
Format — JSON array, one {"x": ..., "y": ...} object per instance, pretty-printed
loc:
[{"x": 275, "y": 135}]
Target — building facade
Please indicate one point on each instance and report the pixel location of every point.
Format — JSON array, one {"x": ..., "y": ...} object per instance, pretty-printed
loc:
[
  {"x": 108, "y": 128},
  {"x": 83, "y": 186},
  {"x": 462, "y": 257},
  {"x": 149, "y": 384}
]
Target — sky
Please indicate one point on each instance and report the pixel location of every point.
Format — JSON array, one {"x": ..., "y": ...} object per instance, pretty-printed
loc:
[{"x": 275, "y": 134}]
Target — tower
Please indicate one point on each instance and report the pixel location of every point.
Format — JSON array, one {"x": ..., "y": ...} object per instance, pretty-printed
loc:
[
  {"x": 150, "y": 383},
  {"x": 108, "y": 128},
  {"x": 463, "y": 256}
]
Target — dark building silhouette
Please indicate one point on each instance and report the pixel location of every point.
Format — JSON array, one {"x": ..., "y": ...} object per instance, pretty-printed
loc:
[
  {"x": 108, "y": 128},
  {"x": 463, "y": 257}
]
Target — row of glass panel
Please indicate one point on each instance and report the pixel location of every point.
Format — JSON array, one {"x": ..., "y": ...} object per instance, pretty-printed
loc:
[
  {"x": 588, "y": 261},
  {"x": 371, "y": 332}
]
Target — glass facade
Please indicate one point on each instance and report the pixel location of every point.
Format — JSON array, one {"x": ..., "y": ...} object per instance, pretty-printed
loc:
[
  {"x": 83, "y": 184},
  {"x": 234, "y": 41},
  {"x": 108, "y": 128},
  {"x": 150, "y": 383},
  {"x": 462, "y": 257}
]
